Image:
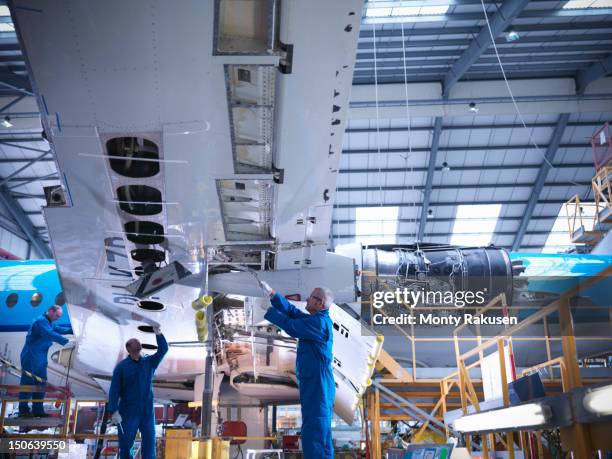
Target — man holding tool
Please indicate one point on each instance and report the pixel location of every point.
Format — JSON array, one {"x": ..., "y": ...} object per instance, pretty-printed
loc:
[
  {"x": 313, "y": 364},
  {"x": 130, "y": 398},
  {"x": 40, "y": 337}
]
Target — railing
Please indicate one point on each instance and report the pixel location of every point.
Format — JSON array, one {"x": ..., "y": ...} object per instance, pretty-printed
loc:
[
  {"x": 602, "y": 191},
  {"x": 567, "y": 363},
  {"x": 582, "y": 221},
  {"x": 70, "y": 410}
]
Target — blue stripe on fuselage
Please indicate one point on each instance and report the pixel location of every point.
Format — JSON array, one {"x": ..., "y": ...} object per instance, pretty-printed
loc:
[{"x": 26, "y": 278}]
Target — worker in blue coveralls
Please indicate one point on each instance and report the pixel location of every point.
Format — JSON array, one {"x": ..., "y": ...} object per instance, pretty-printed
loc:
[
  {"x": 40, "y": 337},
  {"x": 130, "y": 399},
  {"x": 313, "y": 364}
]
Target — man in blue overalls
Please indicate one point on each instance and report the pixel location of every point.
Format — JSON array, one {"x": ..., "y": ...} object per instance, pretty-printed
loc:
[
  {"x": 130, "y": 399},
  {"x": 40, "y": 337},
  {"x": 313, "y": 365}
]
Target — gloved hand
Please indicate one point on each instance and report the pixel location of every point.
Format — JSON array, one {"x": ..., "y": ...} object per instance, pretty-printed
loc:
[
  {"x": 116, "y": 418},
  {"x": 157, "y": 329},
  {"x": 266, "y": 288},
  {"x": 71, "y": 342}
]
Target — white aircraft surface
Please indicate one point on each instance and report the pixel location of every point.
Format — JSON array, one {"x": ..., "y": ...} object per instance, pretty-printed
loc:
[{"x": 202, "y": 137}]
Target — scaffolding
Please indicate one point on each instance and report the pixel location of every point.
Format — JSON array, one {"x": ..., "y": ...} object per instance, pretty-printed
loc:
[
  {"x": 602, "y": 191},
  {"x": 460, "y": 390},
  {"x": 582, "y": 222}
]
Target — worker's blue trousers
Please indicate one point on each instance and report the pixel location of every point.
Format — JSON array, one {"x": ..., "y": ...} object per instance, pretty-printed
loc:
[
  {"x": 317, "y": 437},
  {"x": 39, "y": 370},
  {"x": 127, "y": 434}
]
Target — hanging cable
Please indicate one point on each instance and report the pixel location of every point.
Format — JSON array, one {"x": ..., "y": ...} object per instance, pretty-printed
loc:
[
  {"x": 408, "y": 123},
  {"x": 514, "y": 103},
  {"x": 377, "y": 119}
]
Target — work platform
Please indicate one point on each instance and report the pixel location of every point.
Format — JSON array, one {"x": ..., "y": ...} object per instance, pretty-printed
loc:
[
  {"x": 39, "y": 423},
  {"x": 398, "y": 395}
]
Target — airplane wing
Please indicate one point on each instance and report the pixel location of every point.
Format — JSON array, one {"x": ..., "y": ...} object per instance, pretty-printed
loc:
[{"x": 184, "y": 131}]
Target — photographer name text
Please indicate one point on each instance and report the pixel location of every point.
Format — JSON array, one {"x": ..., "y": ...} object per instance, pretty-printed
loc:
[{"x": 434, "y": 319}]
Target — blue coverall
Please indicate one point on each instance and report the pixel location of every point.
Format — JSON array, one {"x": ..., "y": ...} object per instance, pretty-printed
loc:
[
  {"x": 314, "y": 372},
  {"x": 41, "y": 335},
  {"x": 131, "y": 392}
]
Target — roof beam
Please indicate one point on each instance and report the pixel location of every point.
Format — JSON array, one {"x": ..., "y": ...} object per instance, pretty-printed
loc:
[
  {"x": 437, "y": 31},
  {"x": 9, "y": 225},
  {"x": 23, "y": 160},
  {"x": 439, "y": 67},
  {"x": 534, "y": 96},
  {"x": 433, "y": 157},
  {"x": 5, "y": 46},
  {"x": 22, "y": 139},
  {"x": 24, "y": 223},
  {"x": 469, "y": 127},
  {"x": 539, "y": 50},
  {"x": 21, "y": 182},
  {"x": 366, "y": 151},
  {"x": 26, "y": 178},
  {"x": 512, "y": 74},
  {"x": 14, "y": 81},
  {"x": 485, "y": 63},
  {"x": 501, "y": 167},
  {"x": 22, "y": 168},
  {"x": 18, "y": 195},
  {"x": 16, "y": 100},
  {"x": 445, "y": 220},
  {"x": 436, "y": 43},
  {"x": 502, "y": 19},
  {"x": 22, "y": 147},
  {"x": 463, "y": 186},
  {"x": 447, "y": 203},
  {"x": 441, "y": 233},
  {"x": 549, "y": 157},
  {"x": 448, "y": 18},
  {"x": 596, "y": 71}
]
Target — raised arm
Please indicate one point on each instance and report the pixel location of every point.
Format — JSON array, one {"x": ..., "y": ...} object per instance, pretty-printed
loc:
[
  {"x": 280, "y": 304},
  {"x": 162, "y": 349},
  {"x": 46, "y": 330},
  {"x": 308, "y": 327}
]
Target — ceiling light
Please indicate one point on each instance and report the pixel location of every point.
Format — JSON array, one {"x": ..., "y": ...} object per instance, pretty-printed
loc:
[
  {"x": 528, "y": 415},
  {"x": 445, "y": 166},
  {"x": 430, "y": 213},
  {"x": 472, "y": 107},
  {"x": 512, "y": 35},
  {"x": 599, "y": 400},
  {"x": 6, "y": 122}
]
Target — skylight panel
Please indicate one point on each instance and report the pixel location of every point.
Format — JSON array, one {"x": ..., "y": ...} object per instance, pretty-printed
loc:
[
  {"x": 403, "y": 9},
  {"x": 376, "y": 225},
  {"x": 7, "y": 27},
  {"x": 583, "y": 4},
  {"x": 378, "y": 12},
  {"x": 4, "y": 11},
  {"x": 474, "y": 224}
]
